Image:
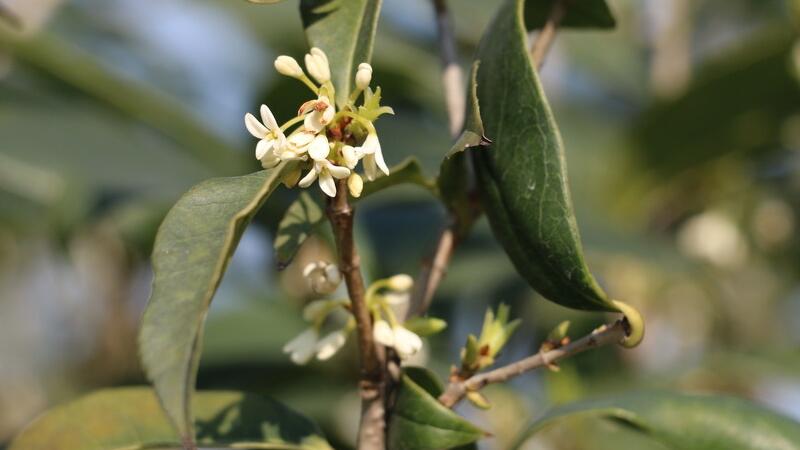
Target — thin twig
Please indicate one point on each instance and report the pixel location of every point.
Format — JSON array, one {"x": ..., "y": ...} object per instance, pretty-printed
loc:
[
  {"x": 453, "y": 83},
  {"x": 545, "y": 38},
  {"x": 604, "y": 335},
  {"x": 371, "y": 434}
]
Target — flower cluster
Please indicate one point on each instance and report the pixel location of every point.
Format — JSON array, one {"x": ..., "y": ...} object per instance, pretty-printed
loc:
[
  {"x": 386, "y": 299},
  {"x": 326, "y": 142}
]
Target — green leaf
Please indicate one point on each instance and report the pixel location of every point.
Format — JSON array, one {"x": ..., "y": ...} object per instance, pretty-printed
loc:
[
  {"x": 131, "y": 419},
  {"x": 522, "y": 176},
  {"x": 345, "y": 31},
  {"x": 299, "y": 222},
  {"x": 192, "y": 250},
  {"x": 419, "y": 421},
  {"x": 579, "y": 14},
  {"x": 407, "y": 172},
  {"x": 687, "y": 422}
]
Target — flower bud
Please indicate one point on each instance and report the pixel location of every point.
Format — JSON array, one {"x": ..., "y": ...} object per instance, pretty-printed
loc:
[
  {"x": 355, "y": 184},
  {"x": 400, "y": 282},
  {"x": 363, "y": 76},
  {"x": 317, "y": 65},
  {"x": 323, "y": 278},
  {"x": 286, "y": 65}
]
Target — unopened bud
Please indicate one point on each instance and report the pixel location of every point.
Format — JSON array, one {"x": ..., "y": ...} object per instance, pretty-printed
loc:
[
  {"x": 401, "y": 282},
  {"x": 317, "y": 65},
  {"x": 363, "y": 76},
  {"x": 286, "y": 65},
  {"x": 355, "y": 184}
]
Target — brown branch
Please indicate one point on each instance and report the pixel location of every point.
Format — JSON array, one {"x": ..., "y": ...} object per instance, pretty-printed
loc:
[
  {"x": 371, "y": 434},
  {"x": 432, "y": 272},
  {"x": 602, "y": 336},
  {"x": 545, "y": 38}
]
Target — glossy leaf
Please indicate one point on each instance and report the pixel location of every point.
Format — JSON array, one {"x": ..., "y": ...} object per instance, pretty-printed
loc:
[
  {"x": 420, "y": 422},
  {"x": 579, "y": 14},
  {"x": 687, "y": 422},
  {"x": 345, "y": 31},
  {"x": 192, "y": 249},
  {"x": 296, "y": 226},
  {"x": 522, "y": 175},
  {"x": 131, "y": 419}
]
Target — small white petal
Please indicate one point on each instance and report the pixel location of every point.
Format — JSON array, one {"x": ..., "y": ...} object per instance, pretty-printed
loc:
[
  {"x": 263, "y": 147},
  {"x": 268, "y": 118},
  {"x": 406, "y": 342},
  {"x": 383, "y": 333},
  {"x": 313, "y": 123},
  {"x": 306, "y": 339},
  {"x": 349, "y": 156},
  {"x": 338, "y": 172},
  {"x": 310, "y": 267},
  {"x": 255, "y": 127},
  {"x": 327, "y": 184},
  {"x": 319, "y": 148},
  {"x": 308, "y": 179},
  {"x": 327, "y": 115},
  {"x": 330, "y": 344},
  {"x": 370, "y": 168},
  {"x": 269, "y": 161},
  {"x": 300, "y": 140},
  {"x": 380, "y": 162},
  {"x": 316, "y": 51},
  {"x": 371, "y": 144}
]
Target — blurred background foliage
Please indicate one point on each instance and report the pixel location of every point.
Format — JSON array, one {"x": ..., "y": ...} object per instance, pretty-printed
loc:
[{"x": 682, "y": 129}]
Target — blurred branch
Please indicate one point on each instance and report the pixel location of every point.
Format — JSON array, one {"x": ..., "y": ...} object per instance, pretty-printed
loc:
[
  {"x": 545, "y": 39},
  {"x": 372, "y": 427},
  {"x": 600, "y": 337},
  {"x": 452, "y": 80},
  {"x": 452, "y": 77},
  {"x": 82, "y": 71}
]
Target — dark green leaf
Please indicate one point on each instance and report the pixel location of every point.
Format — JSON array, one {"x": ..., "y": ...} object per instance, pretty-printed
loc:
[
  {"x": 687, "y": 422},
  {"x": 345, "y": 31},
  {"x": 579, "y": 14},
  {"x": 522, "y": 176},
  {"x": 192, "y": 250},
  {"x": 296, "y": 226},
  {"x": 420, "y": 422},
  {"x": 131, "y": 419}
]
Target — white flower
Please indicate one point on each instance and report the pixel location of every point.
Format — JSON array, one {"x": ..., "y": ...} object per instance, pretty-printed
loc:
[
  {"x": 363, "y": 76},
  {"x": 383, "y": 333},
  {"x": 286, "y": 65},
  {"x": 355, "y": 185},
  {"x": 321, "y": 113},
  {"x": 373, "y": 157},
  {"x": 326, "y": 172},
  {"x": 319, "y": 148},
  {"x": 330, "y": 344},
  {"x": 302, "y": 347},
  {"x": 404, "y": 341},
  {"x": 351, "y": 155},
  {"x": 317, "y": 65},
  {"x": 323, "y": 278},
  {"x": 270, "y": 135},
  {"x": 296, "y": 146}
]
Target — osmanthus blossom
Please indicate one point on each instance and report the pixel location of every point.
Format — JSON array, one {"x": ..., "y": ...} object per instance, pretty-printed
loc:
[
  {"x": 326, "y": 142},
  {"x": 386, "y": 299}
]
